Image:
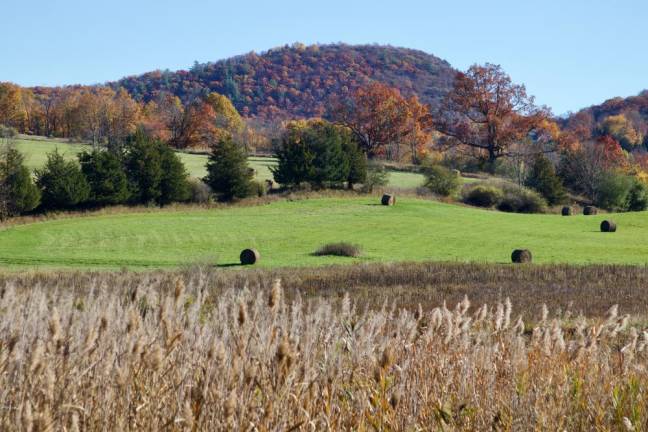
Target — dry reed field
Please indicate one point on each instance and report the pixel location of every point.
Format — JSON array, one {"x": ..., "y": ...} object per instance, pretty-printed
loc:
[{"x": 214, "y": 350}]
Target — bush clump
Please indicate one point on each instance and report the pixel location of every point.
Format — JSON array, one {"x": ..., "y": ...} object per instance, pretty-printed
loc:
[
  {"x": 613, "y": 191},
  {"x": 482, "y": 195},
  {"x": 521, "y": 200},
  {"x": 199, "y": 192},
  {"x": 638, "y": 196},
  {"x": 339, "y": 249},
  {"x": 504, "y": 196},
  {"x": 442, "y": 181},
  {"x": 259, "y": 188}
]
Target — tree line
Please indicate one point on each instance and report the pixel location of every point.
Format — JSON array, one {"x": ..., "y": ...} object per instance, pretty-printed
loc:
[{"x": 486, "y": 122}]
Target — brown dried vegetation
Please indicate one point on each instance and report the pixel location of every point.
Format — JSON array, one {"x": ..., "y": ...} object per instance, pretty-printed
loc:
[{"x": 196, "y": 351}]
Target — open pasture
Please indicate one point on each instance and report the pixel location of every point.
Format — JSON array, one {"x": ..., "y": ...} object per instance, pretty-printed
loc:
[{"x": 287, "y": 232}]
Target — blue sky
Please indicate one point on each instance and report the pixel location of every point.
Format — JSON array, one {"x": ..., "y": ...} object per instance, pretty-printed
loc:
[{"x": 569, "y": 53}]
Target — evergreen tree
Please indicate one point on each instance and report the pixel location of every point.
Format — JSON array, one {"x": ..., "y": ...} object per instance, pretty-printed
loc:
[
  {"x": 294, "y": 161},
  {"x": 319, "y": 153},
  {"x": 62, "y": 183},
  {"x": 330, "y": 164},
  {"x": 143, "y": 169},
  {"x": 155, "y": 173},
  {"x": 542, "y": 178},
  {"x": 18, "y": 193},
  {"x": 174, "y": 184},
  {"x": 106, "y": 176},
  {"x": 227, "y": 172},
  {"x": 357, "y": 162}
]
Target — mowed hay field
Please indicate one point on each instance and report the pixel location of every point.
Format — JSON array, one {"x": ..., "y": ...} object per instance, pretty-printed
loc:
[
  {"x": 287, "y": 232},
  {"x": 36, "y": 150}
]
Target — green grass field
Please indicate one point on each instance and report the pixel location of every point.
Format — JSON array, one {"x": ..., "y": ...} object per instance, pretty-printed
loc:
[
  {"x": 287, "y": 232},
  {"x": 36, "y": 150}
]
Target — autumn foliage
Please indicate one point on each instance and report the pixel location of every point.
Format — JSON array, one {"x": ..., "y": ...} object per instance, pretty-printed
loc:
[
  {"x": 382, "y": 120},
  {"x": 487, "y": 112}
]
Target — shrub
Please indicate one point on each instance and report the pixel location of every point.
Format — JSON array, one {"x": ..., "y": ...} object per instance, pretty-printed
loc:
[
  {"x": 543, "y": 179},
  {"x": 441, "y": 180},
  {"x": 106, "y": 177},
  {"x": 199, "y": 192},
  {"x": 638, "y": 196},
  {"x": 339, "y": 249},
  {"x": 613, "y": 190},
  {"x": 377, "y": 177},
  {"x": 8, "y": 132},
  {"x": 521, "y": 200},
  {"x": 62, "y": 183},
  {"x": 227, "y": 171},
  {"x": 259, "y": 188},
  {"x": 482, "y": 195}
]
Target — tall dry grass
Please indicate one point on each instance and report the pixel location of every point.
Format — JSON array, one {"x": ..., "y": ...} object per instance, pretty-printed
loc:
[{"x": 147, "y": 357}]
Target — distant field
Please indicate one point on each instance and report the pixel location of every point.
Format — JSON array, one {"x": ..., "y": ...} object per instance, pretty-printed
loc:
[
  {"x": 287, "y": 232},
  {"x": 36, "y": 155}
]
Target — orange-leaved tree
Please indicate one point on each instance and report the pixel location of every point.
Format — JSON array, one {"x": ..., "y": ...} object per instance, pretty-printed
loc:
[
  {"x": 380, "y": 117},
  {"x": 486, "y": 111}
]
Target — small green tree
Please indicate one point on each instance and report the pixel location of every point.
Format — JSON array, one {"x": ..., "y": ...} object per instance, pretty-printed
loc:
[
  {"x": 357, "y": 163},
  {"x": 227, "y": 171},
  {"x": 18, "y": 193},
  {"x": 294, "y": 161},
  {"x": 143, "y": 169},
  {"x": 330, "y": 164},
  {"x": 106, "y": 176},
  {"x": 155, "y": 172},
  {"x": 377, "y": 177},
  {"x": 62, "y": 183},
  {"x": 543, "y": 179},
  {"x": 174, "y": 184}
]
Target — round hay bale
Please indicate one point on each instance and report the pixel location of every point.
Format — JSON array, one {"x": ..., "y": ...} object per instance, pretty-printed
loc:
[
  {"x": 520, "y": 256},
  {"x": 567, "y": 211},
  {"x": 590, "y": 210},
  {"x": 249, "y": 256},
  {"x": 608, "y": 226},
  {"x": 388, "y": 200}
]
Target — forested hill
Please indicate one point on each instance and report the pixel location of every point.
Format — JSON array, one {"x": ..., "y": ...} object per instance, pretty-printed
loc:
[
  {"x": 625, "y": 119},
  {"x": 298, "y": 80}
]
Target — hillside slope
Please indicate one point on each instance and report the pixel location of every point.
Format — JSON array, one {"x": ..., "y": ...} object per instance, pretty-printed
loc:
[
  {"x": 298, "y": 80},
  {"x": 625, "y": 119}
]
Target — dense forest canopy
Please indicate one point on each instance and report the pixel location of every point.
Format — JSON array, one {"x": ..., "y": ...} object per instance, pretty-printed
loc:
[
  {"x": 298, "y": 80},
  {"x": 625, "y": 119}
]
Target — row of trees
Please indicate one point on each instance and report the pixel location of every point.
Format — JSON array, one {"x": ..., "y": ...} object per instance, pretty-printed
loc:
[
  {"x": 147, "y": 171},
  {"x": 485, "y": 115},
  {"x": 107, "y": 117}
]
